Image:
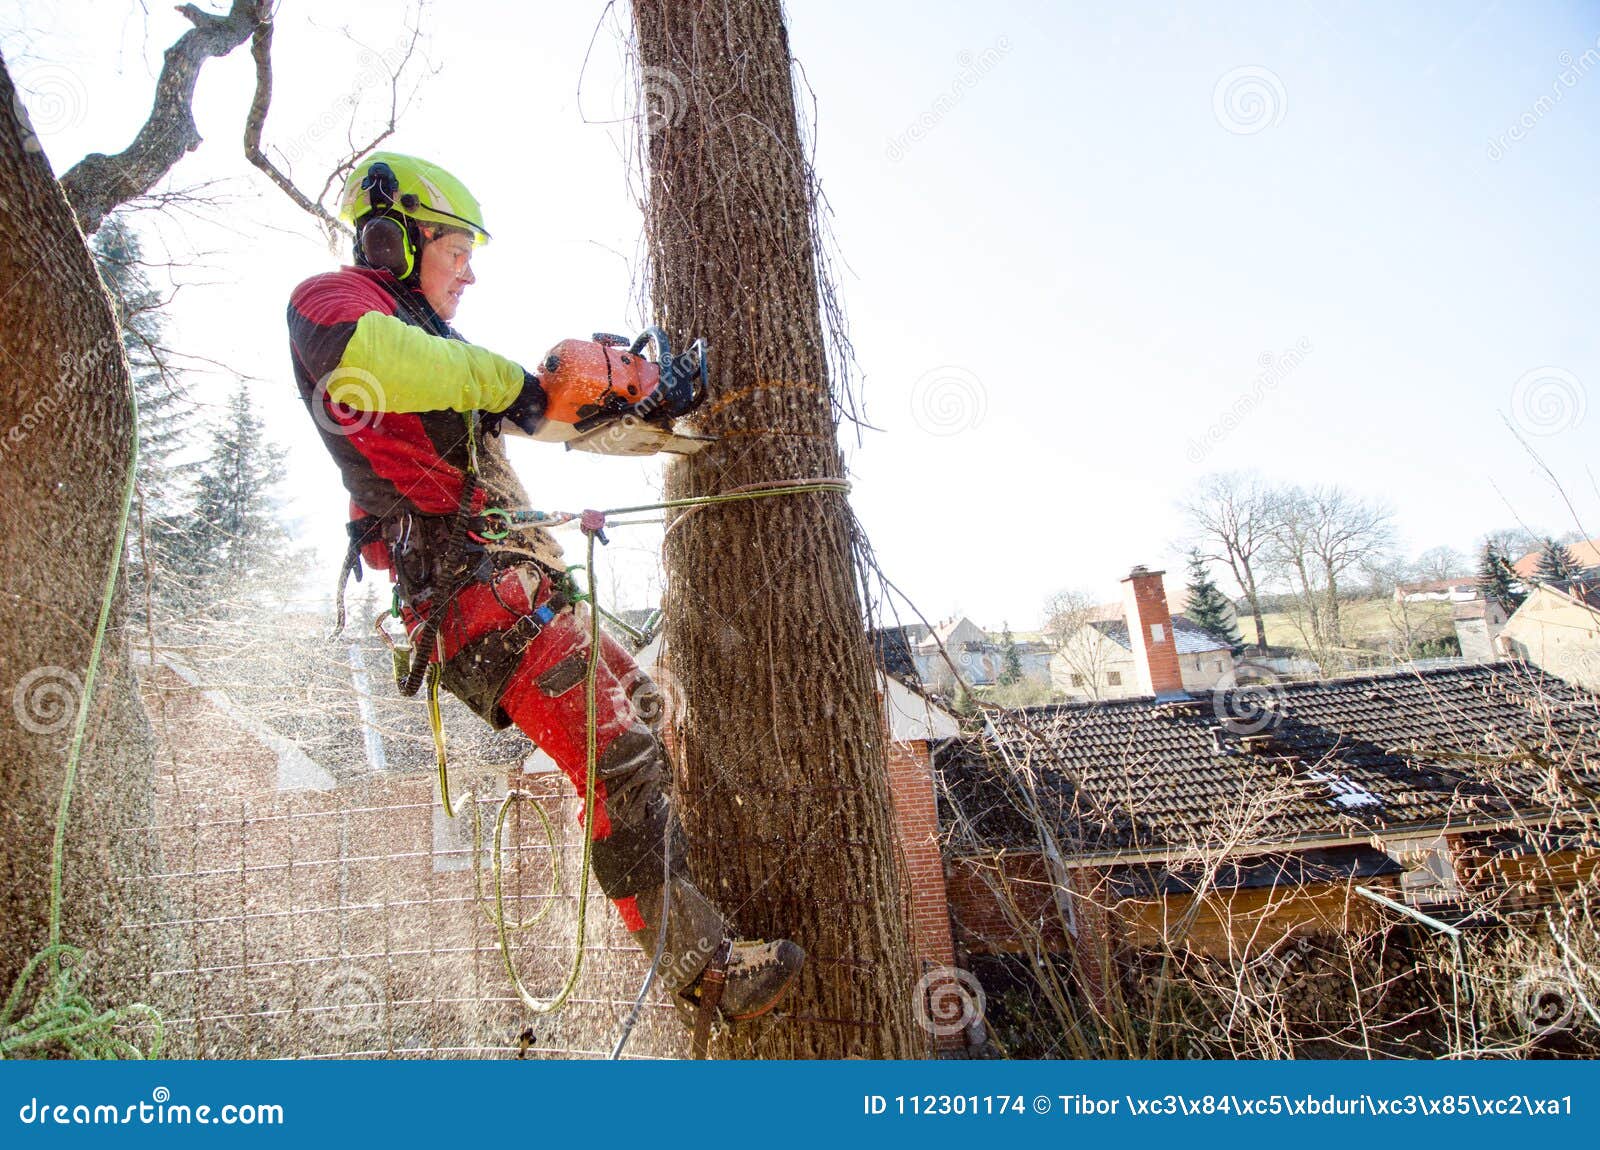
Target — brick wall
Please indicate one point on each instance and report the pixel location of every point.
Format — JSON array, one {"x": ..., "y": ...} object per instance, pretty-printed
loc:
[
  {"x": 917, "y": 826},
  {"x": 916, "y": 815}
]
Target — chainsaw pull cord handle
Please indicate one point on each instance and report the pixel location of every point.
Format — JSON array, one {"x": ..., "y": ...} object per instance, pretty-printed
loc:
[
  {"x": 429, "y": 632},
  {"x": 663, "y": 347}
]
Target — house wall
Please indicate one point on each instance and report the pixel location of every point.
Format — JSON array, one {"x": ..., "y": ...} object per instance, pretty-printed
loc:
[
  {"x": 1477, "y": 634},
  {"x": 1557, "y": 635},
  {"x": 1245, "y": 923},
  {"x": 1199, "y": 672},
  {"x": 979, "y": 666}
]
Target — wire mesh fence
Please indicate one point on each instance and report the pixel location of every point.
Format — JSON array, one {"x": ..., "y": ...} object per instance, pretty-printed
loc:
[{"x": 317, "y": 900}]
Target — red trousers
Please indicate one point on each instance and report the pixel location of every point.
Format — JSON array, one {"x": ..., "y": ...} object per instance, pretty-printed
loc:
[{"x": 538, "y": 683}]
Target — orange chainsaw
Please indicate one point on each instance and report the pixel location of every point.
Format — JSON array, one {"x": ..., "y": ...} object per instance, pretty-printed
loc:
[{"x": 607, "y": 396}]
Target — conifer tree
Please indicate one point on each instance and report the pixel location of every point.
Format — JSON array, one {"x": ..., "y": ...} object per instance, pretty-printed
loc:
[
  {"x": 1010, "y": 659},
  {"x": 235, "y": 538},
  {"x": 1497, "y": 579},
  {"x": 157, "y": 545},
  {"x": 1208, "y": 606},
  {"x": 1556, "y": 563}
]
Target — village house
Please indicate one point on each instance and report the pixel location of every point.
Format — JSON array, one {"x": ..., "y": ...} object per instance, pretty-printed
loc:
[
  {"x": 1585, "y": 553},
  {"x": 1252, "y": 814},
  {"x": 1557, "y": 629},
  {"x": 1101, "y": 660}
]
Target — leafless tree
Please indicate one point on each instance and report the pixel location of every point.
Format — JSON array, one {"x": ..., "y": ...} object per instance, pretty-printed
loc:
[
  {"x": 1443, "y": 562},
  {"x": 1345, "y": 530},
  {"x": 1229, "y": 517},
  {"x": 1289, "y": 518},
  {"x": 785, "y": 797}
]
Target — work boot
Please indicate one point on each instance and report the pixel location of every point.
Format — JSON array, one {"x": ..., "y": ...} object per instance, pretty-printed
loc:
[{"x": 758, "y": 973}]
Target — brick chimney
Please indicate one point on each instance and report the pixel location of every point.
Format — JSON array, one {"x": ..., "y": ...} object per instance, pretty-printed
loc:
[{"x": 1155, "y": 649}]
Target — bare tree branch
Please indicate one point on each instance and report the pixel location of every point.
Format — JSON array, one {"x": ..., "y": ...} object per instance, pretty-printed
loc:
[{"x": 98, "y": 183}]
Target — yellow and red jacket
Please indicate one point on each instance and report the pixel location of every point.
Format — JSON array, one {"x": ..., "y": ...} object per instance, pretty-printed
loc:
[{"x": 388, "y": 384}]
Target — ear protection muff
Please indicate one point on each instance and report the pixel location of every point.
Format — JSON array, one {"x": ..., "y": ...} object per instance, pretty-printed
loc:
[{"x": 385, "y": 240}]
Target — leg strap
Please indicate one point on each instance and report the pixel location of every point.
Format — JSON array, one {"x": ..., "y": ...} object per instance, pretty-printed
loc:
[{"x": 712, "y": 980}]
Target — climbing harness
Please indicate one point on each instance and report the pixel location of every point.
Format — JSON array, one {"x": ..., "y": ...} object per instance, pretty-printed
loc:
[{"x": 423, "y": 660}]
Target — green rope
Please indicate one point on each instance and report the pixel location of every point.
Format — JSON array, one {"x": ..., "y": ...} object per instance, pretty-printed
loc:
[
  {"x": 554, "y": 1003},
  {"x": 497, "y": 916},
  {"x": 62, "y": 1014}
]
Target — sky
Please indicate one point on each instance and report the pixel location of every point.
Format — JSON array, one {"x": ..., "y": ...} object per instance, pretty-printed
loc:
[{"x": 1089, "y": 254}]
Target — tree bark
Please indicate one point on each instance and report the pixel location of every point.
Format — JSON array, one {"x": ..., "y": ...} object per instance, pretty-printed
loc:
[
  {"x": 783, "y": 781},
  {"x": 66, "y": 425}
]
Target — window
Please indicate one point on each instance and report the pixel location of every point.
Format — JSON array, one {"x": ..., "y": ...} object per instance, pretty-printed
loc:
[
  {"x": 1077, "y": 680},
  {"x": 1158, "y": 633},
  {"x": 1219, "y": 666},
  {"x": 1113, "y": 678}
]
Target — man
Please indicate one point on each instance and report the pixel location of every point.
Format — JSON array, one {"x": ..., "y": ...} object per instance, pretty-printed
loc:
[{"x": 396, "y": 393}]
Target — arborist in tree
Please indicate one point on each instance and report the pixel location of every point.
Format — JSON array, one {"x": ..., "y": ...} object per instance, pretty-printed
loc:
[{"x": 413, "y": 415}]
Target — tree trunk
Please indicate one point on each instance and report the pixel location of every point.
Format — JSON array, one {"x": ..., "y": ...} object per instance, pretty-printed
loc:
[
  {"x": 1309, "y": 594},
  {"x": 66, "y": 427},
  {"x": 784, "y": 786},
  {"x": 1335, "y": 631},
  {"x": 1246, "y": 578}
]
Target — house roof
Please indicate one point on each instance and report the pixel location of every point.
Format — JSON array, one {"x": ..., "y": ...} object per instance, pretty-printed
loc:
[
  {"x": 1585, "y": 552},
  {"x": 893, "y": 646},
  {"x": 1190, "y": 639},
  {"x": 1346, "y": 758},
  {"x": 1422, "y": 586}
]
